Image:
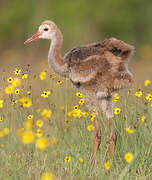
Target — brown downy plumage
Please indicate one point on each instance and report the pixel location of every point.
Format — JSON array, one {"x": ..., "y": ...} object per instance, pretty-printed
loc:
[{"x": 101, "y": 66}]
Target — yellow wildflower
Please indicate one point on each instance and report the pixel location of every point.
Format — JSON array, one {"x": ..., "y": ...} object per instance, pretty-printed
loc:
[
  {"x": 54, "y": 141},
  {"x": 116, "y": 97},
  {"x": 70, "y": 114},
  {"x": 45, "y": 94},
  {"x": 14, "y": 101},
  {"x": 149, "y": 97},
  {"x": 117, "y": 111},
  {"x": 25, "y": 76},
  {"x": 39, "y": 123},
  {"x": 39, "y": 132},
  {"x": 1, "y": 103},
  {"x": 147, "y": 83},
  {"x": 67, "y": 159},
  {"x": 85, "y": 114},
  {"x": 26, "y": 102},
  {"x": 78, "y": 94},
  {"x": 6, "y": 131},
  {"x": 16, "y": 82},
  {"x": 138, "y": 93},
  {"x": 46, "y": 113},
  {"x": 43, "y": 75},
  {"x": 131, "y": 131},
  {"x": 77, "y": 113},
  {"x": 17, "y": 71},
  {"x": 91, "y": 127},
  {"x": 81, "y": 101},
  {"x": 9, "y": 89},
  {"x": 30, "y": 116},
  {"x": 1, "y": 119},
  {"x": 107, "y": 165},
  {"x": 93, "y": 116},
  {"x": 129, "y": 92},
  {"x": 81, "y": 160},
  {"x": 28, "y": 92},
  {"x": 143, "y": 118},
  {"x": 28, "y": 137},
  {"x": 76, "y": 107},
  {"x": 17, "y": 91},
  {"x": 10, "y": 80},
  {"x": 59, "y": 82},
  {"x": 29, "y": 124},
  {"x": 47, "y": 176},
  {"x": 42, "y": 143},
  {"x": 129, "y": 157}
]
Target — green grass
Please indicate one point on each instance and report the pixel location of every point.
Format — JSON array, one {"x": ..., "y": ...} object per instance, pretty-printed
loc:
[{"x": 26, "y": 162}]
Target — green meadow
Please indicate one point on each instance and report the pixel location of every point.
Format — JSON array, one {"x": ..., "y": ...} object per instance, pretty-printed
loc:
[{"x": 44, "y": 128}]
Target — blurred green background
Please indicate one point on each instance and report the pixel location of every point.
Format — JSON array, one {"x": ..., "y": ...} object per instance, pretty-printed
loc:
[{"x": 81, "y": 22}]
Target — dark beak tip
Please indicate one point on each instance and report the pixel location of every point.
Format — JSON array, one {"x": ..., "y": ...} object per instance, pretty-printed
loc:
[{"x": 26, "y": 42}]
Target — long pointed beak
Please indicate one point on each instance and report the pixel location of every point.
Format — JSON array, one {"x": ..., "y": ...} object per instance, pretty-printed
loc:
[{"x": 33, "y": 38}]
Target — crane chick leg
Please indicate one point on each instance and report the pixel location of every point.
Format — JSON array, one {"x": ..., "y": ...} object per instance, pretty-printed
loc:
[
  {"x": 97, "y": 141},
  {"x": 106, "y": 105},
  {"x": 113, "y": 139}
]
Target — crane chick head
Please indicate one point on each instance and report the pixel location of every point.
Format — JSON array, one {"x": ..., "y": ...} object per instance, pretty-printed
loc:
[{"x": 47, "y": 30}]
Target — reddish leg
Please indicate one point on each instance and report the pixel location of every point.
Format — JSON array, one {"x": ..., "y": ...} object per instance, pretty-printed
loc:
[
  {"x": 97, "y": 142},
  {"x": 113, "y": 139},
  {"x": 107, "y": 107}
]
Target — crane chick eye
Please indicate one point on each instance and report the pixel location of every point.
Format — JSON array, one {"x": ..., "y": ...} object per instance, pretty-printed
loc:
[
  {"x": 117, "y": 52},
  {"x": 46, "y": 29}
]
